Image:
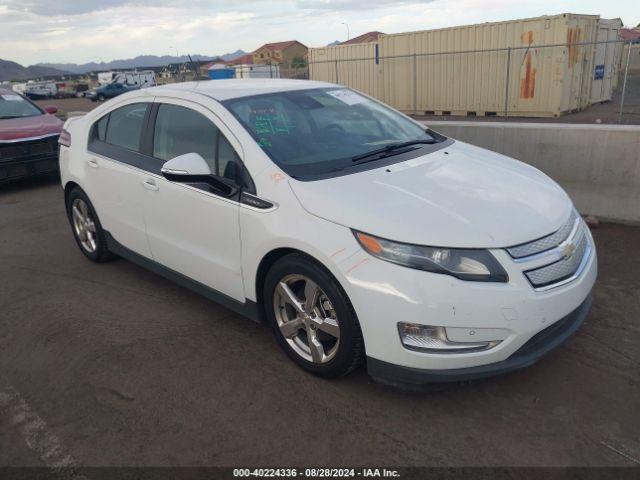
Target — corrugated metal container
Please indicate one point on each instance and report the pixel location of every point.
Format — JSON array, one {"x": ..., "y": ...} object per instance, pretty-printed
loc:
[
  {"x": 353, "y": 65},
  {"x": 606, "y": 60},
  {"x": 634, "y": 59},
  {"x": 220, "y": 71},
  {"x": 447, "y": 71}
]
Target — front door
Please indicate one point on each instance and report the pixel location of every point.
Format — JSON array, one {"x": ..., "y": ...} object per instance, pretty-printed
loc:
[{"x": 191, "y": 229}]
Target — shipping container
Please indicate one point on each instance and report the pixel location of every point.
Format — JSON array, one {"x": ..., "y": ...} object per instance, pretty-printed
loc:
[
  {"x": 606, "y": 60},
  {"x": 355, "y": 65},
  {"x": 537, "y": 67},
  {"x": 634, "y": 59},
  {"x": 220, "y": 71}
]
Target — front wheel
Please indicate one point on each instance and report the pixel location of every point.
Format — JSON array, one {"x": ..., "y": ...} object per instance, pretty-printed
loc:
[{"x": 312, "y": 318}]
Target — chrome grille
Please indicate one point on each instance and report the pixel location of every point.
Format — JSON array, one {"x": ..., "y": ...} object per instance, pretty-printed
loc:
[
  {"x": 564, "y": 269},
  {"x": 544, "y": 243}
]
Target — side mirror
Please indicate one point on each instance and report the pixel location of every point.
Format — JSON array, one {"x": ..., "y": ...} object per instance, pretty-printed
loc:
[
  {"x": 52, "y": 109},
  {"x": 192, "y": 168}
]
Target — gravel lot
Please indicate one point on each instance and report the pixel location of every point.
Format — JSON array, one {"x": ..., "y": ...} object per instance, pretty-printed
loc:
[{"x": 112, "y": 365}]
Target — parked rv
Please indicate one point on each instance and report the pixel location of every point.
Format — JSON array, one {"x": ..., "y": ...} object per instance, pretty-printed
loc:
[{"x": 145, "y": 78}]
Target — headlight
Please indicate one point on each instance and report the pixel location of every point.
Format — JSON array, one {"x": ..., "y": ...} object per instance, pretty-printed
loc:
[{"x": 462, "y": 263}]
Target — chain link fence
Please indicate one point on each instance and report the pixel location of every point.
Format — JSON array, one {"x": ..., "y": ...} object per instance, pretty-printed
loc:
[{"x": 581, "y": 82}]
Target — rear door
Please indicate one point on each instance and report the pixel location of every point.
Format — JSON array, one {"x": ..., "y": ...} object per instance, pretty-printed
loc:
[
  {"x": 191, "y": 228},
  {"x": 115, "y": 183}
]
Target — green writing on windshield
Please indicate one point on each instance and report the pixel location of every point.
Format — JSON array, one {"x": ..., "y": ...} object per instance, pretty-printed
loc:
[{"x": 272, "y": 124}]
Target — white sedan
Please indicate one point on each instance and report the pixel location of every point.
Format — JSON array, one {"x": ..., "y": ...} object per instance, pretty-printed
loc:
[{"x": 353, "y": 231}]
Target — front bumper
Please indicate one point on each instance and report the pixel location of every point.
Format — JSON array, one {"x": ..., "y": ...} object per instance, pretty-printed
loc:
[
  {"x": 29, "y": 157},
  {"x": 536, "y": 347},
  {"x": 384, "y": 294}
]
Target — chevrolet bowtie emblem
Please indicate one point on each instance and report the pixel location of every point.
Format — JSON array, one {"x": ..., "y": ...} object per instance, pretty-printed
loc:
[{"x": 568, "y": 250}]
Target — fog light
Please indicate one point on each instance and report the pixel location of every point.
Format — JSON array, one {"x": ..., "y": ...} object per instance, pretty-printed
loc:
[{"x": 427, "y": 338}]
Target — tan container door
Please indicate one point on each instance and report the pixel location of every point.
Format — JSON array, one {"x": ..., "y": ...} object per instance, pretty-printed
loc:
[{"x": 601, "y": 82}]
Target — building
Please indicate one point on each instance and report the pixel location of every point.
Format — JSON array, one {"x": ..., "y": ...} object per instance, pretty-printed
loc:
[
  {"x": 630, "y": 34},
  {"x": 281, "y": 53},
  {"x": 364, "y": 38},
  {"x": 243, "y": 60}
]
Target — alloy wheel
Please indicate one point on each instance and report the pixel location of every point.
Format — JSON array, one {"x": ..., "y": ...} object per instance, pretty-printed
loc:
[
  {"x": 306, "y": 318},
  {"x": 84, "y": 225}
]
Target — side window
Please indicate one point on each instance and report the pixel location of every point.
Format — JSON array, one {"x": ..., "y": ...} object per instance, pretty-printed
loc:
[
  {"x": 101, "y": 128},
  {"x": 180, "y": 130},
  {"x": 228, "y": 161},
  {"x": 125, "y": 126}
]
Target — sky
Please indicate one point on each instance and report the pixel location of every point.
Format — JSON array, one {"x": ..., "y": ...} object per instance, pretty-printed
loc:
[{"x": 80, "y": 31}]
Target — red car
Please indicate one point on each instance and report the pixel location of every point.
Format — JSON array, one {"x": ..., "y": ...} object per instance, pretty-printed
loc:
[{"x": 28, "y": 137}]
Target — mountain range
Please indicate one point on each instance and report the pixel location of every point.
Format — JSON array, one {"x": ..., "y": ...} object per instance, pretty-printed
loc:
[
  {"x": 14, "y": 71},
  {"x": 140, "y": 61}
]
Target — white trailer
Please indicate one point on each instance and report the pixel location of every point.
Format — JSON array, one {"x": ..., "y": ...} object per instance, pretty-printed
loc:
[
  {"x": 257, "y": 71},
  {"x": 19, "y": 87},
  {"x": 145, "y": 78}
]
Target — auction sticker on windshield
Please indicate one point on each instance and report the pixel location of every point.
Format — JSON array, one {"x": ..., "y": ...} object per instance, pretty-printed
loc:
[
  {"x": 347, "y": 96},
  {"x": 11, "y": 98}
]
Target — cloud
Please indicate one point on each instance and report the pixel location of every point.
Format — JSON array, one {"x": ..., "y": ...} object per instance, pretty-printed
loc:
[
  {"x": 50, "y": 8},
  {"x": 79, "y": 31},
  {"x": 337, "y": 5}
]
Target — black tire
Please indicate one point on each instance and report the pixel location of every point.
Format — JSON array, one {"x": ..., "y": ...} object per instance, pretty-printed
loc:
[
  {"x": 350, "y": 352},
  {"x": 101, "y": 98},
  {"x": 101, "y": 252}
]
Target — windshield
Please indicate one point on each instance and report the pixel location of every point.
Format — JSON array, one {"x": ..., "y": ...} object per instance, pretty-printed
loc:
[
  {"x": 318, "y": 131},
  {"x": 15, "y": 106}
]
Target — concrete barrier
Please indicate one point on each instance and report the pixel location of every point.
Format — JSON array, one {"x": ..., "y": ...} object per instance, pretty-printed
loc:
[{"x": 598, "y": 165}]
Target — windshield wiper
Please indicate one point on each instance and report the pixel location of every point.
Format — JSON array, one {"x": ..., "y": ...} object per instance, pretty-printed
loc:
[{"x": 384, "y": 151}]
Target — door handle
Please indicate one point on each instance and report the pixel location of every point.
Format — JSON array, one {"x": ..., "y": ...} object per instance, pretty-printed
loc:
[
  {"x": 150, "y": 184},
  {"x": 93, "y": 163}
]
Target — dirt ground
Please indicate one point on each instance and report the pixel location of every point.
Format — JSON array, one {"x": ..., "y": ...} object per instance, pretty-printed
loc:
[
  {"x": 112, "y": 365},
  {"x": 66, "y": 105}
]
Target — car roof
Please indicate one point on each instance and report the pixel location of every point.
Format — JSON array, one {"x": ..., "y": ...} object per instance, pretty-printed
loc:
[{"x": 236, "y": 88}]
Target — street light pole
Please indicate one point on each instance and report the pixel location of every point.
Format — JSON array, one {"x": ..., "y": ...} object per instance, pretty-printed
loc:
[
  {"x": 348, "y": 32},
  {"x": 178, "y": 62}
]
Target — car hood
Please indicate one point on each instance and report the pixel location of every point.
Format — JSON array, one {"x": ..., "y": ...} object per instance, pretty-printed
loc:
[
  {"x": 460, "y": 196},
  {"x": 28, "y": 127}
]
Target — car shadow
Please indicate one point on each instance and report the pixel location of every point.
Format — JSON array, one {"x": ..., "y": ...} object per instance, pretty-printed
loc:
[{"x": 23, "y": 184}]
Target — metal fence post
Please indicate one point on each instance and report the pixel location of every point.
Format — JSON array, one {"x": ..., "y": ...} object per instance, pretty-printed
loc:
[
  {"x": 506, "y": 93},
  {"x": 415, "y": 86},
  {"x": 624, "y": 83}
]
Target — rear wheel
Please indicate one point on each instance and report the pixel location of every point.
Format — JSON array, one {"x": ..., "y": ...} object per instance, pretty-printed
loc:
[
  {"x": 312, "y": 317},
  {"x": 101, "y": 98},
  {"x": 86, "y": 227}
]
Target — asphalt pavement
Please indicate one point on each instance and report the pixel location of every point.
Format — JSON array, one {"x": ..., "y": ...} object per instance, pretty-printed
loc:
[{"x": 113, "y": 365}]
